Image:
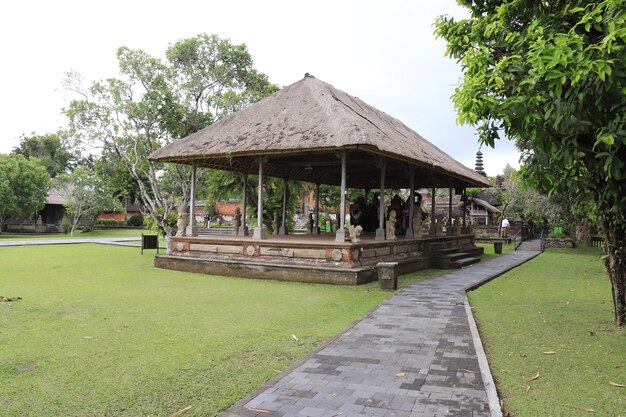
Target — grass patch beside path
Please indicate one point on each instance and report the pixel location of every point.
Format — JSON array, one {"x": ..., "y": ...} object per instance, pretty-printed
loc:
[
  {"x": 101, "y": 332},
  {"x": 489, "y": 250},
  {"x": 559, "y": 302},
  {"x": 99, "y": 233}
]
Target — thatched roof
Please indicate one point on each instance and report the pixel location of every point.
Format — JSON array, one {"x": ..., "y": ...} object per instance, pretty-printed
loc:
[
  {"x": 55, "y": 197},
  {"x": 486, "y": 205},
  {"x": 300, "y": 127}
]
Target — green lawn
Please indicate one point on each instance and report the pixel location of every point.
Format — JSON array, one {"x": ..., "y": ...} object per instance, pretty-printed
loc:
[
  {"x": 559, "y": 302},
  {"x": 77, "y": 234},
  {"x": 101, "y": 332}
]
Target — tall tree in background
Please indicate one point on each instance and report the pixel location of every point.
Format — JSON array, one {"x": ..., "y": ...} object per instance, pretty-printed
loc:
[
  {"x": 552, "y": 76},
  {"x": 117, "y": 178},
  {"x": 86, "y": 197},
  {"x": 23, "y": 187},
  {"x": 51, "y": 149},
  {"x": 155, "y": 102}
]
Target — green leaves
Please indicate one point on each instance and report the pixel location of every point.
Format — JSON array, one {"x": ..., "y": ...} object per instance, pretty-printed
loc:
[
  {"x": 23, "y": 186},
  {"x": 552, "y": 77},
  {"x": 607, "y": 138},
  {"x": 50, "y": 149}
]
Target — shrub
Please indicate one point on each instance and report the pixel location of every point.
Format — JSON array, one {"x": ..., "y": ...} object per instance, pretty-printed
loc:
[
  {"x": 109, "y": 222},
  {"x": 66, "y": 225},
  {"x": 151, "y": 224},
  {"x": 135, "y": 221}
]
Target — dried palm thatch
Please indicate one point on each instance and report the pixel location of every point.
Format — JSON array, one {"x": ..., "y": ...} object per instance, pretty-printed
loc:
[
  {"x": 486, "y": 205},
  {"x": 297, "y": 131}
]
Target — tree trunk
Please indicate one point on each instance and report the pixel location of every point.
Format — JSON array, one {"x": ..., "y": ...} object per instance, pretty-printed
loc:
[
  {"x": 583, "y": 231},
  {"x": 615, "y": 262}
]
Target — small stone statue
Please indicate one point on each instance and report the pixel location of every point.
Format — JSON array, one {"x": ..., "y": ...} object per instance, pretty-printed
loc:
[
  {"x": 439, "y": 223},
  {"x": 181, "y": 224},
  {"x": 417, "y": 221},
  {"x": 39, "y": 221},
  {"x": 391, "y": 226},
  {"x": 236, "y": 221},
  {"x": 355, "y": 232},
  {"x": 456, "y": 226}
]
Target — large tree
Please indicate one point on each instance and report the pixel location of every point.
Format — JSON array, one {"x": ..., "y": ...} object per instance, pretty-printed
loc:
[
  {"x": 155, "y": 102},
  {"x": 23, "y": 187},
  {"x": 552, "y": 76},
  {"x": 51, "y": 149}
]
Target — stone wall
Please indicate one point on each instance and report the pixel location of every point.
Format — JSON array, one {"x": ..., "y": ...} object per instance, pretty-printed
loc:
[
  {"x": 26, "y": 228},
  {"x": 559, "y": 243},
  {"x": 492, "y": 231}
]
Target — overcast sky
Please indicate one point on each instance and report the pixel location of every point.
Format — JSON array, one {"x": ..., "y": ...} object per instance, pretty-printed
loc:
[{"x": 382, "y": 52}]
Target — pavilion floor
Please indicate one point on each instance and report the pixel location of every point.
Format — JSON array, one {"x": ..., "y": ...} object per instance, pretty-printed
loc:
[{"x": 306, "y": 257}]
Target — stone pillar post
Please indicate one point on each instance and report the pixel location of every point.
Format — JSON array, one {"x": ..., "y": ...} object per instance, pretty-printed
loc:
[
  {"x": 243, "y": 229},
  {"x": 449, "y": 228},
  {"x": 433, "y": 219},
  {"x": 380, "y": 232},
  {"x": 464, "y": 198},
  {"x": 315, "y": 228},
  {"x": 192, "y": 229},
  {"x": 340, "y": 235},
  {"x": 283, "y": 222},
  {"x": 259, "y": 231}
]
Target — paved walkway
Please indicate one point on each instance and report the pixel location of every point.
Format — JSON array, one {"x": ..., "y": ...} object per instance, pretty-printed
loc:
[
  {"x": 530, "y": 245},
  {"x": 413, "y": 356}
]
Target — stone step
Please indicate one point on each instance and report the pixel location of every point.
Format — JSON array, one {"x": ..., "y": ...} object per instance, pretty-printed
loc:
[
  {"x": 456, "y": 256},
  {"x": 460, "y": 263},
  {"x": 441, "y": 252},
  {"x": 457, "y": 260},
  {"x": 477, "y": 251}
]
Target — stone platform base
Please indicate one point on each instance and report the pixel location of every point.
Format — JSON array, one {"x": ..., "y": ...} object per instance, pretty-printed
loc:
[
  {"x": 306, "y": 258},
  {"x": 296, "y": 273},
  {"x": 246, "y": 269}
]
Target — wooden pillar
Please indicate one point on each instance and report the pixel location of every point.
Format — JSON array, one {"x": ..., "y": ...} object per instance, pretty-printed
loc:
[
  {"x": 259, "y": 231},
  {"x": 449, "y": 228},
  {"x": 380, "y": 232},
  {"x": 243, "y": 228},
  {"x": 340, "y": 235},
  {"x": 433, "y": 226},
  {"x": 409, "y": 230},
  {"x": 192, "y": 230},
  {"x": 283, "y": 222}
]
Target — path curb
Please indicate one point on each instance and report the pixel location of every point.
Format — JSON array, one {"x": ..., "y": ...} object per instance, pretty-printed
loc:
[{"x": 485, "y": 371}]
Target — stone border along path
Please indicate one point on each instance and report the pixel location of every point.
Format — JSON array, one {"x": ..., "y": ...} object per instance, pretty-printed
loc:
[{"x": 418, "y": 354}]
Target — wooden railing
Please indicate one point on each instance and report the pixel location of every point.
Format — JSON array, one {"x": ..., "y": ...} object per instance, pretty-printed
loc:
[{"x": 597, "y": 241}]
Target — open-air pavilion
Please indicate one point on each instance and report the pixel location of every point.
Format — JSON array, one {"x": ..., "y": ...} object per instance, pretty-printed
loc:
[{"x": 311, "y": 131}]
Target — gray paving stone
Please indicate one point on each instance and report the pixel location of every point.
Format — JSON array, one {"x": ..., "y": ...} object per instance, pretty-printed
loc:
[
  {"x": 312, "y": 412},
  {"x": 413, "y": 356}
]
